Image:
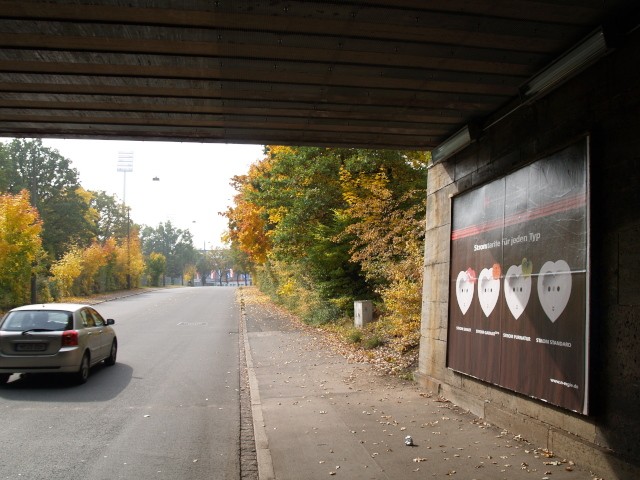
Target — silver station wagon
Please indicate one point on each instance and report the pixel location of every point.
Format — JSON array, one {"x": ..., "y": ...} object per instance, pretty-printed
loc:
[{"x": 55, "y": 337}]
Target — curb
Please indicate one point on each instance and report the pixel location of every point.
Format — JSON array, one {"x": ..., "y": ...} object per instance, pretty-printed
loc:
[{"x": 263, "y": 454}]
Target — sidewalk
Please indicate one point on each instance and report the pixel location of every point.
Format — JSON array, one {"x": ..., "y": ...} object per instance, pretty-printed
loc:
[{"x": 316, "y": 416}]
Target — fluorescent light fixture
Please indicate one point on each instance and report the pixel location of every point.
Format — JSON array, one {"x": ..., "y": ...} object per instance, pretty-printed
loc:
[
  {"x": 584, "y": 53},
  {"x": 451, "y": 146}
]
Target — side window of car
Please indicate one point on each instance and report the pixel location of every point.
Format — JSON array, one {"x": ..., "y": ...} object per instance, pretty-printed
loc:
[
  {"x": 98, "y": 319},
  {"x": 83, "y": 319},
  {"x": 87, "y": 319}
]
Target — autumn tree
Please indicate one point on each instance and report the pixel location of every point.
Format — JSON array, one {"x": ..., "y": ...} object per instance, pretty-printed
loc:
[
  {"x": 288, "y": 203},
  {"x": 92, "y": 245},
  {"x": 20, "y": 247},
  {"x": 247, "y": 219},
  {"x": 66, "y": 270},
  {"x": 94, "y": 260},
  {"x": 334, "y": 225},
  {"x": 54, "y": 191},
  {"x": 156, "y": 265},
  {"x": 128, "y": 261},
  {"x": 190, "y": 272},
  {"x": 386, "y": 232}
]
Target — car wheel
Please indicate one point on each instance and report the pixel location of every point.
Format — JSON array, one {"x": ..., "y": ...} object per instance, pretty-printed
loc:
[
  {"x": 4, "y": 378},
  {"x": 111, "y": 359},
  {"x": 83, "y": 372}
]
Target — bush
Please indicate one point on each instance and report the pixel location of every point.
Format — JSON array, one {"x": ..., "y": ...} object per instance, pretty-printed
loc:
[
  {"x": 371, "y": 342},
  {"x": 288, "y": 286},
  {"x": 321, "y": 313},
  {"x": 44, "y": 291},
  {"x": 353, "y": 335}
]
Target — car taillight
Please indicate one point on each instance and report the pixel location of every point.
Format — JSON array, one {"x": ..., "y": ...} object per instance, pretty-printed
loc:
[{"x": 70, "y": 338}]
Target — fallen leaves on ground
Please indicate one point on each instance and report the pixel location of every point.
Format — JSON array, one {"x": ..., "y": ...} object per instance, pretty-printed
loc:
[{"x": 387, "y": 359}]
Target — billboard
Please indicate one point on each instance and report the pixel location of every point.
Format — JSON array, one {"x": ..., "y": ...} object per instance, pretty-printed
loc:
[{"x": 518, "y": 302}]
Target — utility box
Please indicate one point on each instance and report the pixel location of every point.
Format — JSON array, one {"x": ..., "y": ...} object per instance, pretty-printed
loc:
[{"x": 362, "y": 313}]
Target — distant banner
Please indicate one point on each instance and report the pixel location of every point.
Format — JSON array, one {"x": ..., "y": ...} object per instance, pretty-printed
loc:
[{"x": 518, "y": 313}]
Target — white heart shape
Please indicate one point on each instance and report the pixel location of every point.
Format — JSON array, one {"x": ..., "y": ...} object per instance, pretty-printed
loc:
[
  {"x": 464, "y": 291},
  {"x": 554, "y": 288},
  {"x": 488, "y": 290},
  {"x": 517, "y": 290}
]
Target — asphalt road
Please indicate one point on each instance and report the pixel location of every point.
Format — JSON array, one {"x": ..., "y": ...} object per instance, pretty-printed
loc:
[{"x": 168, "y": 409}]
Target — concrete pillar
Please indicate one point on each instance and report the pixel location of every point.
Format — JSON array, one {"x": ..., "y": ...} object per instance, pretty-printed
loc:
[{"x": 363, "y": 313}]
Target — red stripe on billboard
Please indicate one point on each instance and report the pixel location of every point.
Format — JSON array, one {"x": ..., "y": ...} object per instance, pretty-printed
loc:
[{"x": 549, "y": 209}]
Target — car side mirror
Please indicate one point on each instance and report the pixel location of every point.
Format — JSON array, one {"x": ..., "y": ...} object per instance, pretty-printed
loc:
[{"x": 110, "y": 321}]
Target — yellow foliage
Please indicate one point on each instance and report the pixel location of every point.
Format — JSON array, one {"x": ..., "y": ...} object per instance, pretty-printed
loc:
[
  {"x": 276, "y": 215},
  {"x": 287, "y": 288},
  {"x": 388, "y": 236},
  {"x": 94, "y": 258},
  {"x": 136, "y": 259},
  {"x": 92, "y": 215},
  {"x": 129, "y": 260},
  {"x": 20, "y": 246},
  {"x": 247, "y": 226},
  {"x": 389, "y": 245},
  {"x": 66, "y": 270},
  {"x": 189, "y": 273},
  {"x": 275, "y": 150}
]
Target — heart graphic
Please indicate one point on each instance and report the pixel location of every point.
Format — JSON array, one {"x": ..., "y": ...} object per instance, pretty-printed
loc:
[
  {"x": 488, "y": 290},
  {"x": 554, "y": 288},
  {"x": 464, "y": 291},
  {"x": 517, "y": 290}
]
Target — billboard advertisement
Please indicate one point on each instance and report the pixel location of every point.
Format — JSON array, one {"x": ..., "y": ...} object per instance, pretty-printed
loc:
[{"x": 518, "y": 304}]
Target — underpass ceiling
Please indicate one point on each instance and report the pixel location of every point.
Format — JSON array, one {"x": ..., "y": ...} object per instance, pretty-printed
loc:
[{"x": 380, "y": 74}]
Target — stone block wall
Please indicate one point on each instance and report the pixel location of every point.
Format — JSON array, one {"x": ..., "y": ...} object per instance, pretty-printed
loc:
[{"x": 604, "y": 103}]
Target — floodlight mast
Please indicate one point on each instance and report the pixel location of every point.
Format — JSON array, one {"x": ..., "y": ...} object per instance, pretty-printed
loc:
[{"x": 125, "y": 165}]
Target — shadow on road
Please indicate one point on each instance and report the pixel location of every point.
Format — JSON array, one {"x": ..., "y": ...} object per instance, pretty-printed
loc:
[{"x": 105, "y": 383}]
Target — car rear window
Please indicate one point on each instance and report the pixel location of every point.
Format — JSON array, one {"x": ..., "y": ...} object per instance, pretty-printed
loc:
[{"x": 37, "y": 320}]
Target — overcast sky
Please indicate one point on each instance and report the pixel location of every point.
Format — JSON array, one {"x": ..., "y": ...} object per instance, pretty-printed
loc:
[{"x": 193, "y": 183}]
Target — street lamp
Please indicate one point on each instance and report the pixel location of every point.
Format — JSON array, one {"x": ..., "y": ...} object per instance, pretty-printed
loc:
[
  {"x": 125, "y": 165},
  {"x": 164, "y": 245}
]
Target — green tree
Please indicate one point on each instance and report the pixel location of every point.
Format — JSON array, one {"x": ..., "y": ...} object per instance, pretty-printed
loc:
[
  {"x": 184, "y": 255},
  {"x": 54, "y": 190},
  {"x": 301, "y": 192},
  {"x": 339, "y": 224},
  {"x": 111, "y": 219},
  {"x": 176, "y": 246},
  {"x": 240, "y": 262},
  {"x": 6, "y": 168},
  {"x": 294, "y": 194},
  {"x": 205, "y": 265},
  {"x": 221, "y": 262}
]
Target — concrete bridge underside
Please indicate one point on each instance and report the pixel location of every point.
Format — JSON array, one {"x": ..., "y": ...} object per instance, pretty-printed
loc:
[{"x": 381, "y": 74}]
